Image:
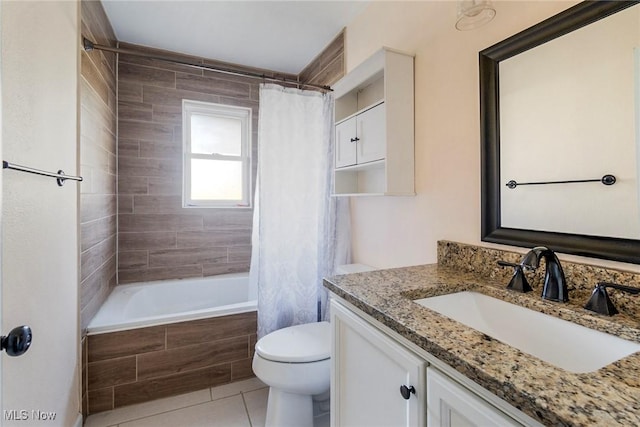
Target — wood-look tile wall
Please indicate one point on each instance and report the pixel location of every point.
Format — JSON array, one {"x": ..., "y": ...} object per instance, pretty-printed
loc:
[
  {"x": 98, "y": 167},
  {"x": 328, "y": 67},
  {"x": 97, "y": 163},
  {"x": 150, "y": 363},
  {"x": 158, "y": 238}
]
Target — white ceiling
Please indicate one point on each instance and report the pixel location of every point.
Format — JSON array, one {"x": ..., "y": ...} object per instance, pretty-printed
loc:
[{"x": 276, "y": 35}]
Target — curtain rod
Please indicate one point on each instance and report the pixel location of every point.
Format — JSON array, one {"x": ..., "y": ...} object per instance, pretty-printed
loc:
[{"x": 89, "y": 46}]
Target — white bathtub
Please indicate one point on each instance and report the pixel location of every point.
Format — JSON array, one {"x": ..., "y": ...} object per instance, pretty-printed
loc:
[{"x": 157, "y": 303}]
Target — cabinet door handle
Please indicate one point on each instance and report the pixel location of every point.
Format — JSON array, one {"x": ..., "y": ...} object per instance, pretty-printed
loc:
[
  {"x": 17, "y": 342},
  {"x": 407, "y": 391},
  {"x": 356, "y": 139}
]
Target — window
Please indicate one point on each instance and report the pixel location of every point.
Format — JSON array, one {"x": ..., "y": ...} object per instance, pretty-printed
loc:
[{"x": 217, "y": 155}]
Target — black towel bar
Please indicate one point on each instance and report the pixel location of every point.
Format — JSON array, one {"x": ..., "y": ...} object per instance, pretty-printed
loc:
[{"x": 606, "y": 180}]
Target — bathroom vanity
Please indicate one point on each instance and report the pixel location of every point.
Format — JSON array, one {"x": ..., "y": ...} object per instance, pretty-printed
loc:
[
  {"x": 396, "y": 362},
  {"x": 369, "y": 363}
]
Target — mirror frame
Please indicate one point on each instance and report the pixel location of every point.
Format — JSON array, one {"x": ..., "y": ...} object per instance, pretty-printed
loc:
[{"x": 578, "y": 16}]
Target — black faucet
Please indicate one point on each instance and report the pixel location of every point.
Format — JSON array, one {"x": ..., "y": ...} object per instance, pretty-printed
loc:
[
  {"x": 555, "y": 285},
  {"x": 518, "y": 282},
  {"x": 600, "y": 302}
]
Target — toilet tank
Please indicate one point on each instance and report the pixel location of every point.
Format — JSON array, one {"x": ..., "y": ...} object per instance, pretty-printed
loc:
[{"x": 353, "y": 268}]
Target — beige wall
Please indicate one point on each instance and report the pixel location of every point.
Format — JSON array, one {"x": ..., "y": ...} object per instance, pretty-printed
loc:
[
  {"x": 390, "y": 231},
  {"x": 40, "y": 66}
]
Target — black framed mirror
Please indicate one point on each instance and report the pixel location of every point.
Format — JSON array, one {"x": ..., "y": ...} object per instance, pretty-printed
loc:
[{"x": 574, "y": 18}]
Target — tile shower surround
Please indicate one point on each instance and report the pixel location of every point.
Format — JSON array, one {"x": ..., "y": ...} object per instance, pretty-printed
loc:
[
  {"x": 158, "y": 239},
  {"x": 149, "y": 363},
  {"x": 97, "y": 164},
  {"x": 149, "y": 190},
  {"x": 98, "y": 167}
]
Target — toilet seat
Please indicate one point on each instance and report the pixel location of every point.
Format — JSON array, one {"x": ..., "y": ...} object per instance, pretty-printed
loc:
[{"x": 306, "y": 343}]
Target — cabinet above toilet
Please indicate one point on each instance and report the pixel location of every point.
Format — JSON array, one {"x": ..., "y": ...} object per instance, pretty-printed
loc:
[{"x": 374, "y": 133}]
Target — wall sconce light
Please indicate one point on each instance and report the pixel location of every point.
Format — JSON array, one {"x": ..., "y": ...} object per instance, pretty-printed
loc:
[{"x": 474, "y": 13}]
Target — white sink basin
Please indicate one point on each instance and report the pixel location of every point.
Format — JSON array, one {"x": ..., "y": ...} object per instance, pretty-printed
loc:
[{"x": 564, "y": 344}]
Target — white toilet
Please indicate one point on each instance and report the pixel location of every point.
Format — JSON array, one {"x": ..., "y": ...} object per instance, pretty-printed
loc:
[{"x": 295, "y": 363}]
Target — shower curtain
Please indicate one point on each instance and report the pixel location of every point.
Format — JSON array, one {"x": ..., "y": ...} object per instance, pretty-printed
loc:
[{"x": 300, "y": 232}]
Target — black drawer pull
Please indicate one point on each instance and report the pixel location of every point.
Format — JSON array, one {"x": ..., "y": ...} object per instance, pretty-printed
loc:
[{"x": 407, "y": 391}]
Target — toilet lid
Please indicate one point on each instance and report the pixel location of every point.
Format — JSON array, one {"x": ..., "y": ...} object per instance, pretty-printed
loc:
[{"x": 297, "y": 344}]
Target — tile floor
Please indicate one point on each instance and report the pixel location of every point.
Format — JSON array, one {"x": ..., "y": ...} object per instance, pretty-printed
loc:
[{"x": 240, "y": 404}]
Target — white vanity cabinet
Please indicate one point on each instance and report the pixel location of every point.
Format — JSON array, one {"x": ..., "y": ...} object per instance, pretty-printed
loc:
[
  {"x": 367, "y": 374},
  {"x": 369, "y": 365},
  {"x": 374, "y": 133},
  {"x": 451, "y": 405}
]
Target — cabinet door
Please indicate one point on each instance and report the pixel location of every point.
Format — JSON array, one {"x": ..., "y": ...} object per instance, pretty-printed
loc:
[
  {"x": 451, "y": 405},
  {"x": 368, "y": 368},
  {"x": 346, "y": 143},
  {"x": 372, "y": 134}
]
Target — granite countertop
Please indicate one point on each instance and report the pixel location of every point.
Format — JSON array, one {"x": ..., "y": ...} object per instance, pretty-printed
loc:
[{"x": 551, "y": 395}]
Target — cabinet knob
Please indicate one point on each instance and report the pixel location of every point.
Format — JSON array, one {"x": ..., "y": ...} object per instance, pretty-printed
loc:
[
  {"x": 356, "y": 139},
  {"x": 407, "y": 391}
]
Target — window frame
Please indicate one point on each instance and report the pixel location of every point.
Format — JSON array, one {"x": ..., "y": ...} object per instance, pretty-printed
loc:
[{"x": 190, "y": 107}]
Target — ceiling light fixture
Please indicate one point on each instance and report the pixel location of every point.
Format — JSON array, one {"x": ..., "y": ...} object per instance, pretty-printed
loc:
[{"x": 474, "y": 13}]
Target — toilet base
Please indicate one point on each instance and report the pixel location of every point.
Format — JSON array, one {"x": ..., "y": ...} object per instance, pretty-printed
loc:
[{"x": 288, "y": 409}]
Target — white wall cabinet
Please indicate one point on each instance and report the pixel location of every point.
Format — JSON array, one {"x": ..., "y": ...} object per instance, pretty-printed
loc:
[
  {"x": 346, "y": 138},
  {"x": 374, "y": 115},
  {"x": 360, "y": 139},
  {"x": 368, "y": 371}
]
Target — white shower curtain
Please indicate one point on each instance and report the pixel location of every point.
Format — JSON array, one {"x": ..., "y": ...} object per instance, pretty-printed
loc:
[{"x": 300, "y": 233}]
